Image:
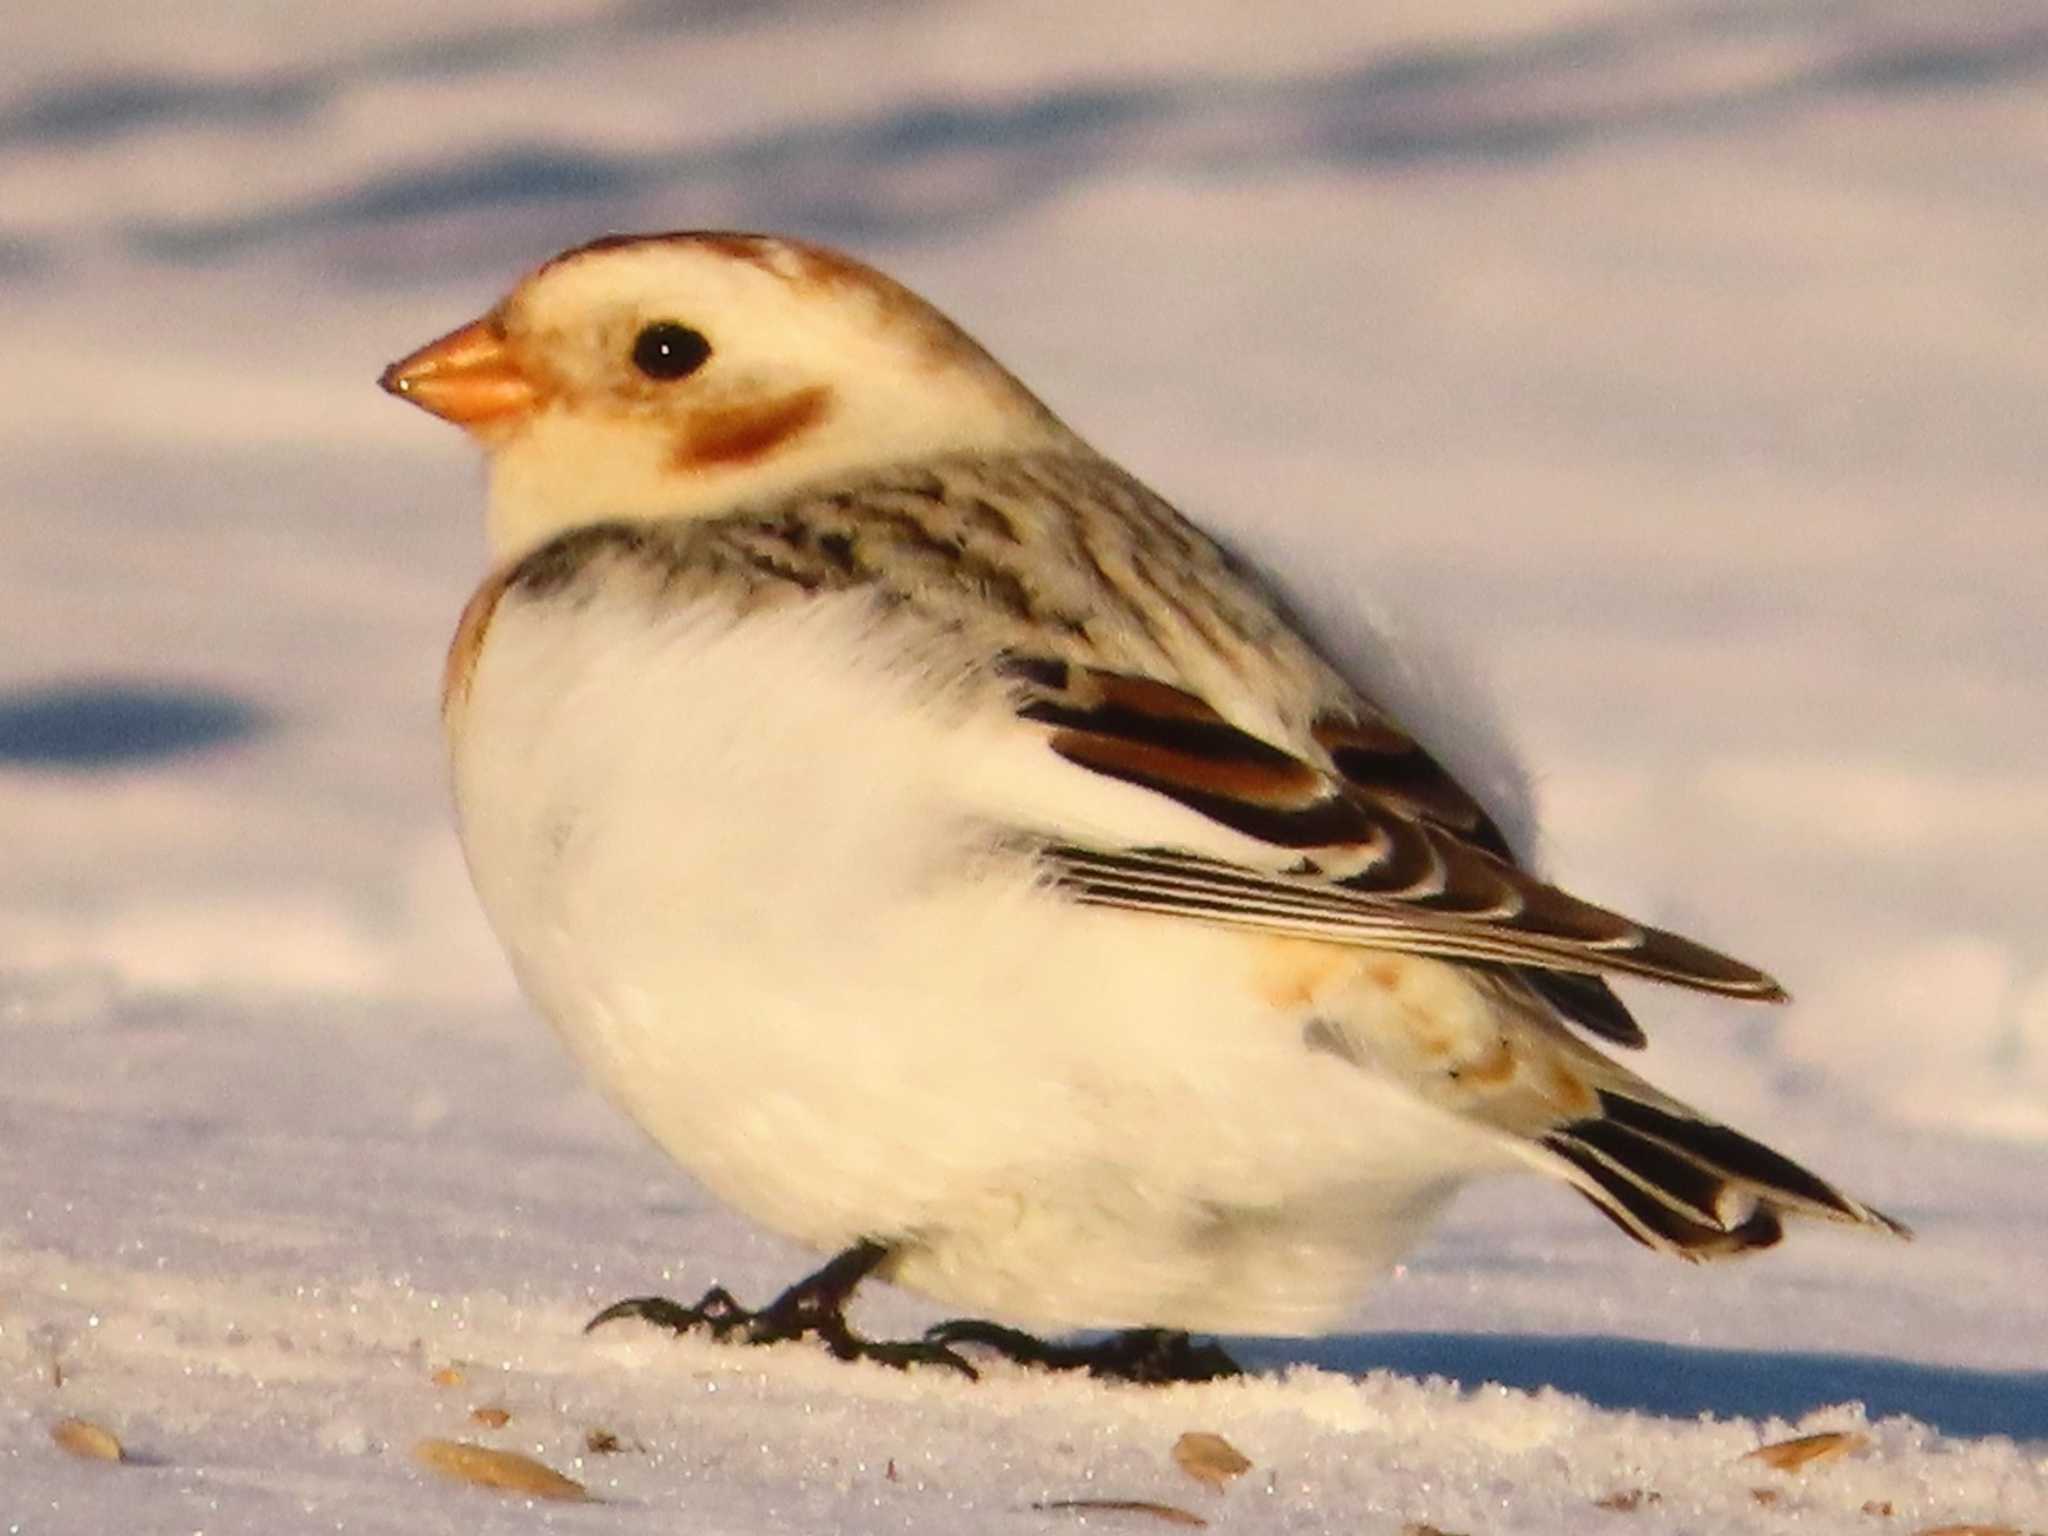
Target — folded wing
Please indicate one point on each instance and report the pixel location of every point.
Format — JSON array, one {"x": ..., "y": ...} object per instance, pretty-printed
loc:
[{"x": 1378, "y": 846}]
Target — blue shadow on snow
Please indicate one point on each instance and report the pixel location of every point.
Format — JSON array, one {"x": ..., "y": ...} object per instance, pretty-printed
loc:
[
  {"x": 113, "y": 724},
  {"x": 1682, "y": 1382}
]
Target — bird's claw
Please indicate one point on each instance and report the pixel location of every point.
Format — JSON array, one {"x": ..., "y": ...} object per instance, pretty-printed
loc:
[
  {"x": 1150, "y": 1356},
  {"x": 812, "y": 1308},
  {"x": 715, "y": 1312}
]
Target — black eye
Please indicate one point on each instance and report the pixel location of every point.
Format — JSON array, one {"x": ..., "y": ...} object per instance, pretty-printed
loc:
[{"x": 666, "y": 350}]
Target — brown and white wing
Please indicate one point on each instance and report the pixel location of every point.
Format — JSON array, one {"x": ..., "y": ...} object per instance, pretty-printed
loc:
[{"x": 1381, "y": 849}]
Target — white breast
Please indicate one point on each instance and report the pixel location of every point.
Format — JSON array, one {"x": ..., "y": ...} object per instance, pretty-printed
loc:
[{"x": 744, "y": 866}]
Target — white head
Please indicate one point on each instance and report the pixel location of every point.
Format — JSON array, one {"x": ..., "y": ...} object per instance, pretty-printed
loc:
[{"x": 669, "y": 375}]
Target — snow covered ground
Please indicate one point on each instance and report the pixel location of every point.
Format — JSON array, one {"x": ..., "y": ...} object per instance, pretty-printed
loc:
[{"x": 1679, "y": 366}]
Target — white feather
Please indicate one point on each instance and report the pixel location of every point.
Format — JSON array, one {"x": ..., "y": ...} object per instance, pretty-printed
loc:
[{"x": 765, "y": 913}]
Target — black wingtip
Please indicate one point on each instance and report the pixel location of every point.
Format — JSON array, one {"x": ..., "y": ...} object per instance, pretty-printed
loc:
[
  {"x": 1693, "y": 1187},
  {"x": 1660, "y": 1218},
  {"x": 1587, "y": 1001}
]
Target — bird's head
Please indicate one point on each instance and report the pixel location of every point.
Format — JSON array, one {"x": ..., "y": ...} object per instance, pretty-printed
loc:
[{"x": 675, "y": 375}]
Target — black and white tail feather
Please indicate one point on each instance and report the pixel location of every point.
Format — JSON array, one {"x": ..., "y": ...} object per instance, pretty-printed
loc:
[
  {"x": 1378, "y": 847},
  {"x": 1691, "y": 1187}
]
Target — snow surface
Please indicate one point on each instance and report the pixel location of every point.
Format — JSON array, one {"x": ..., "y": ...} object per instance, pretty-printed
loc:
[{"x": 1678, "y": 366}]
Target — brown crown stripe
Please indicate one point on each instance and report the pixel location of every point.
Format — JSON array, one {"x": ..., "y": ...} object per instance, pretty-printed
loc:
[
  {"x": 817, "y": 267},
  {"x": 757, "y": 250},
  {"x": 591, "y": 248}
]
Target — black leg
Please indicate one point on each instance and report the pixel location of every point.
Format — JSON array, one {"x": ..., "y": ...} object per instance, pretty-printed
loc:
[
  {"x": 817, "y": 1301},
  {"x": 812, "y": 1308},
  {"x": 1148, "y": 1355}
]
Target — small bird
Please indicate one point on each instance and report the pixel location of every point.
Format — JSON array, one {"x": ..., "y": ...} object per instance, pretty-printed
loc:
[{"x": 961, "y": 863}]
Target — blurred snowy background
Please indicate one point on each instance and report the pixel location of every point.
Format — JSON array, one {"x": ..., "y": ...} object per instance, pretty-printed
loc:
[{"x": 1682, "y": 368}]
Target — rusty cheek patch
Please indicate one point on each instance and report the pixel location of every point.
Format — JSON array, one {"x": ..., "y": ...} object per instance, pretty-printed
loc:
[
  {"x": 741, "y": 434},
  {"x": 468, "y": 643}
]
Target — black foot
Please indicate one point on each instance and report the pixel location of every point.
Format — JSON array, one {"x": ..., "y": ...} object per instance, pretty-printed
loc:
[
  {"x": 812, "y": 1308},
  {"x": 1148, "y": 1355}
]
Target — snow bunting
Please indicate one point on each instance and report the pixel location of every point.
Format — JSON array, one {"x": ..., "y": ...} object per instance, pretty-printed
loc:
[{"x": 961, "y": 863}]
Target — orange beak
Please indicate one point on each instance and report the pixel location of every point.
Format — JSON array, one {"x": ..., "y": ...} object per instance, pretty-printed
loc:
[{"x": 467, "y": 377}]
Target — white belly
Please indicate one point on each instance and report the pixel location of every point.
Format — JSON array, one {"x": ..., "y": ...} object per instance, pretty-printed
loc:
[{"x": 750, "y": 881}]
